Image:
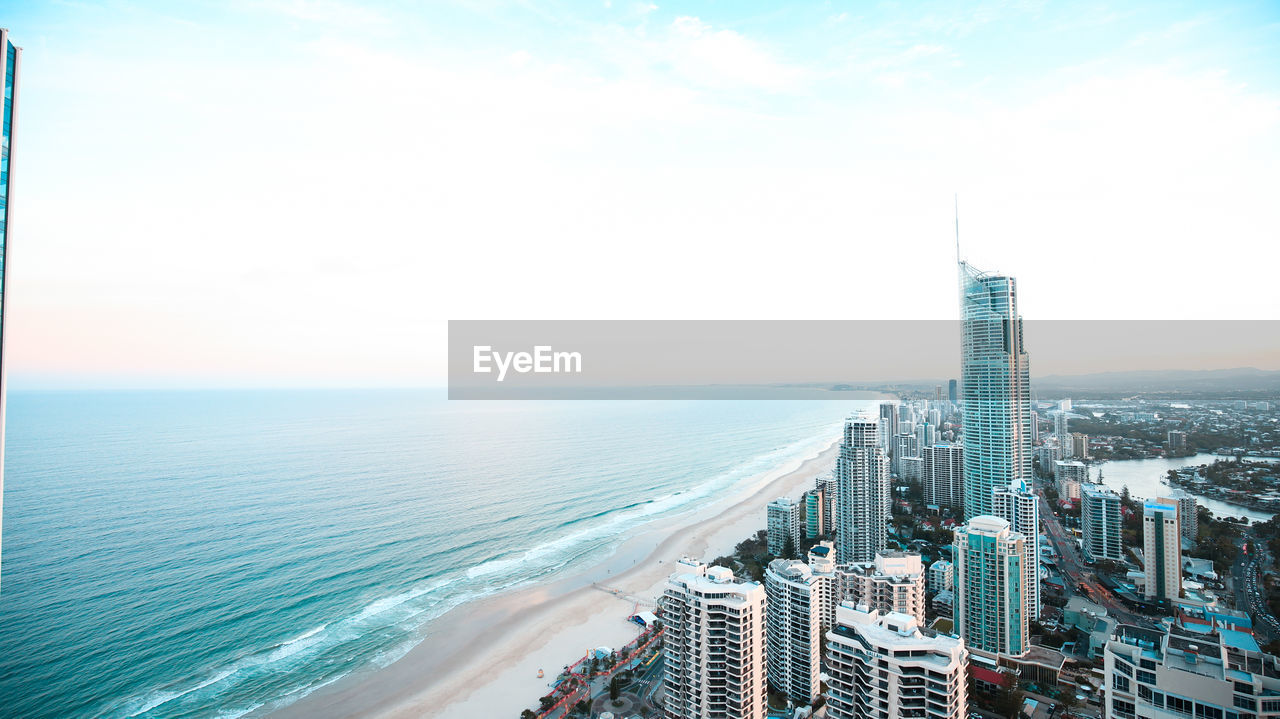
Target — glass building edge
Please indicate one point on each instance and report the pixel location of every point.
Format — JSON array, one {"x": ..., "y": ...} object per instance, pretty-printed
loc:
[{"x": 12, "y": 82}]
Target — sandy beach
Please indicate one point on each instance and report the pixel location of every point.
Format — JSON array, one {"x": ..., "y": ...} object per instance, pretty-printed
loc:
[{"x": 482, "y": 659}]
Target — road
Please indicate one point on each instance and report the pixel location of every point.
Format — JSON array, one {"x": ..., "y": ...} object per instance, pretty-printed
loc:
[
  {"x": 1075, "y": 572},
  {"x": 1246, "y": 583}
]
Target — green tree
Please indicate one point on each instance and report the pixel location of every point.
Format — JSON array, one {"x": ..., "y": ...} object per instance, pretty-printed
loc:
[{"x": 615, "y": 688}]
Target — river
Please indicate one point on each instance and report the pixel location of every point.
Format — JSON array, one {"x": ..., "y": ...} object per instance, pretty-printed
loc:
[{"x": 1146, "y": 478}]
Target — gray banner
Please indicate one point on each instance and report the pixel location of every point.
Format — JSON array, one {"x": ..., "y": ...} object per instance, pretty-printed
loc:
[{"x": 828, "y": 359}]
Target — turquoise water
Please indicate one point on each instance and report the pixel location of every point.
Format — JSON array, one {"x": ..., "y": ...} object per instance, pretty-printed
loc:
[{"x": 206, "y": 553}]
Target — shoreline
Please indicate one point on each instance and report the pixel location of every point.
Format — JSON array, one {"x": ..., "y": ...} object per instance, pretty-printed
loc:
[
  {"x": 1205, "y": 458},
  {"x": 482, "y": 658}
]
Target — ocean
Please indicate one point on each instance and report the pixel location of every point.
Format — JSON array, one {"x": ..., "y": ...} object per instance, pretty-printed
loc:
[{"x": 206, "y": 554}]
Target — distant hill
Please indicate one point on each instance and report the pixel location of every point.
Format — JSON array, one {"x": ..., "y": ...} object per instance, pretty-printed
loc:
[{"x": 1224, "y": 382}]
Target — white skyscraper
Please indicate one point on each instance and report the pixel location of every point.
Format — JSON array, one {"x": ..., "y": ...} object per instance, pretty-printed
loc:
[
  {"x": 1188, "y": 514},
  {"x": 1162, "y": 548},
  {"x": 942, "y": 475},
  {"x": 1100, "y": 525},
  {"x": 990, "y": 610},
  {"x": 862, "y": 502},
  {"x": 1021, "y": 509},
  {"x": 894, "y": 582},
  {"x": 822, "y": 563},
  {"x": 884, "y": 666},
  {"x": 714, "y": 644},
  {"x": 904, "y": 446},
  {"x": 888, "y": 427},
  {"x": 794, "y": 629},
  {"x": 786, "y": 526}
]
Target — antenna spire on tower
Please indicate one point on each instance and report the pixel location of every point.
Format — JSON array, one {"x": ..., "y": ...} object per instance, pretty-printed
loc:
[{"x": 957, "y": 198}]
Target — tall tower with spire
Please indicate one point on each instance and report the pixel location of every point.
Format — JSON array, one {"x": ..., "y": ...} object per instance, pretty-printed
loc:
[{"x": 996, "y": 381}]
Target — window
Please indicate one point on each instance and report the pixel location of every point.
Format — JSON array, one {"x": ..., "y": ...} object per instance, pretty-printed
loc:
[
  {"x": 1245, "y": 702},
  {"x": 1147, "y": 664},
  {"x": 1120, "y": 683},
  {"x": 1178, "y": 704},
  {"x": 1122, "y": 708},
  {"x": 1208, "y": 711},
  {"x": 1148, "y": 677},
  {"x": 1244, "y": 688},
  {"x": 1271, "y": 705},
  {"x": 1124, "y": 668}
]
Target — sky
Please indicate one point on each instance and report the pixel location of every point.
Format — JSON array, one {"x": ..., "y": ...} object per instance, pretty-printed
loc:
[{"x": 303, "y": 192}]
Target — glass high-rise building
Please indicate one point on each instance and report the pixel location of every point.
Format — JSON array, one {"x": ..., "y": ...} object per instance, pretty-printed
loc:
[
  {"x": 996, "y": 388},
  {"x": 12, "y": 60},
  {"x": 990, "y": 608}
]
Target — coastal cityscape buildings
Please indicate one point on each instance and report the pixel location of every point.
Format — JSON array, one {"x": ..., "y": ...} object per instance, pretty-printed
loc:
[
  {"x": 817, "y": 520},
  {"x": 990, "y": 608},
  {"x": 997, "y": 389},
  {"x": 822, "y": 564},
  {"x": 786, "y": 526},
  {"x": 863, "y": 495},
  {"x": 1188, "y": 514},
  {"x": 893, "y": 582},
  {"x": 1020, "y": 507},
  {"x": 794, "y": 628},
  {"x": 885, "y": 666},
  {"x": 940, "y": 576},
  {"x": 1100, "y": 524},
  {"x": 1161, "y": 549},
  {"x": 942, "y": 475},
  {"x": 1174, "y": 673},
  {"x": 714, "y": 644},
  {"x": 1071, "y": 471}
]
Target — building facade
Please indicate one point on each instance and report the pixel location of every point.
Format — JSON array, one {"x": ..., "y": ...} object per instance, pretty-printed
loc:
[
  {"x": 1176, "y": 673},
  {"x": 12, "y": 55},
  {"x": 940, "y": 576},
  {"x": 884, "y": 666},
  {"x": 1188, "y": 514},
  {"x": 892, "y": 582},
  {"x": 1079, "y": 445},
  {"x": 714, "y": 644},
  {"x": 822, "y": 563},
  {"x": 1070, "y": 469},
  {"x": 1020, "y": 507},
  {"x": 990, "y": 610},
  {"x": 816, "y": 520},
  {"x": 997, "y": 389},
  {"x": 793, "y": 629},
  {"x": 786, "y": 526},
  {"x": 862, "y": 502},
  {"x": 943, "y": 475},
  {"x": 1100, "y": 523},
  {"x": 1161, "y": 549}
]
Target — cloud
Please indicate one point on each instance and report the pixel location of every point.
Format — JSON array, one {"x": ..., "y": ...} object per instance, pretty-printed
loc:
[
  {"x": 325, "y": 12},
  {"x": 725, "y": 58}
]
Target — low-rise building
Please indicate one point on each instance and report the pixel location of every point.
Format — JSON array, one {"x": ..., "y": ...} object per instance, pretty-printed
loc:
[{"x": 941, "y": 576}]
